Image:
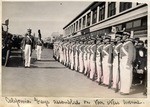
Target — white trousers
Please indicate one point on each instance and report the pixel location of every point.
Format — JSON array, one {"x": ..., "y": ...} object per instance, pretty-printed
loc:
[
  {"x": 98, "y": 68},
  {"x": 125, "y": 75},
  {"x": 76, "y": 61},
  {"x": 39, "y": 52},
  {"x": 61, "y": 56},
  {"x": 27, "y": 55},
  {"x": 64, "y": 56},
  {"x": 106, "y": 70},
  {"x": 88, "y": 63},
  {"x": 85, "y": 63},
  {"x": 72, "y": 60},
  {"x": 81, "y": 63},
  {"x": 115, "y": 72},
  {"x": 92, "y": 66}
]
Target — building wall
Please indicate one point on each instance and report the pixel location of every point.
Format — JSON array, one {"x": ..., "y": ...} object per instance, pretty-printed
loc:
[{"x": 131, "y": 12}]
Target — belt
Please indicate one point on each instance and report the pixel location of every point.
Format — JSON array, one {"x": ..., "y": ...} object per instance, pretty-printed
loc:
[
  {"x": 28, "y": 44},
  {"x": 39, "y": 45},
  {"x": 123, "y": 56}
]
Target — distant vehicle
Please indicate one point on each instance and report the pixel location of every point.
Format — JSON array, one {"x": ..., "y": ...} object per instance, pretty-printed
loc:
[
  {"x": 48, "y": 44},
  {"x": 17, "y": 41},
  {"x": 10, "y": 42}
]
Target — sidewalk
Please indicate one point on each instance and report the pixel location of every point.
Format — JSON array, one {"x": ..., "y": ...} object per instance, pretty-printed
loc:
[{"x": 49, "y": 78}]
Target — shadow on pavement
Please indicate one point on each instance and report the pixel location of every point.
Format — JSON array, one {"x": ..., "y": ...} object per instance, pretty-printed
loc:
[
  {"x": 32, "y": 66},
  {"x": 33, "y": 60},
  {"x": 15, "y": 62},
  {"x": 139, "y": 87},
  {"x": 47, "y": 60}
]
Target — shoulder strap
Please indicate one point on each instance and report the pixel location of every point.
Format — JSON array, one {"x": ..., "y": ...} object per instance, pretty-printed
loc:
[{"x": 29, "y": 38}]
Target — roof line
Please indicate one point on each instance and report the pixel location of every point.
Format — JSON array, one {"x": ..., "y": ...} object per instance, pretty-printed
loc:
[{"x": 80, "y": 14}]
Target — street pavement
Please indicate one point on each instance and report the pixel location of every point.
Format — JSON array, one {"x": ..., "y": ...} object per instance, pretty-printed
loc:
[{"x": 49, "y": 78}]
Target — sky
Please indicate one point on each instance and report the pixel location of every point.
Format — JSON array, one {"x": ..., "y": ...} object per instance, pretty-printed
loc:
[{"x": 48, "y": 16}]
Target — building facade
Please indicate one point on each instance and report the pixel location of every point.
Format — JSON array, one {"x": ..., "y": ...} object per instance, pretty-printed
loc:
[{"x": 99, "y": 18}]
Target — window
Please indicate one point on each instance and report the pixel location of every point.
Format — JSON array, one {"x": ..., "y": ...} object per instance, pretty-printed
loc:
[
  {"x": 137, "y": 23},
  {"x": 119, "y": 27},
  {"x": 101, "y": 32},
  {"x": 125, "y": 5},
  {"x": 129, "y": 25},
  {"x": 84, "y": 22},
  {"x": 69, "y": 30},
  {"x": 144, "y": 21},
  {"x": 107, "y": 30},
  {"x": 88, "y": 19},
  {"x": 102, "y": 13},
  {"x": 134, "y": 24},
  {"x": 74, "y": 27},
  {"x": 94, "y": 16},
  {"x": 111, "y": 9},
  {"x": 79, "y": 24}
]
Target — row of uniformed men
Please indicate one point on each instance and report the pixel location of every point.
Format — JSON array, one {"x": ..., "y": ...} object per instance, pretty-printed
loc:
[{"x": 110, "y": 63}]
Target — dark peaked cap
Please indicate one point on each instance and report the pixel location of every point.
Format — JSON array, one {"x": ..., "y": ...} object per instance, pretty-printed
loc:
[
  {"x": 107, "y": 37},
  {"x": 118, "y": 35},
  {"x": 123, "y": 33},
  {"x": 29, "y": 30}
]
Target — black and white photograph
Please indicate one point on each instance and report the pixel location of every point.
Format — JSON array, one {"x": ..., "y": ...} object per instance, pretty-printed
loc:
[{"x": 87, "y": 49}]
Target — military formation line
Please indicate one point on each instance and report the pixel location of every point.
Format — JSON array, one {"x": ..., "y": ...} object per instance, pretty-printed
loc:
[{"x": 113, "y": 64}]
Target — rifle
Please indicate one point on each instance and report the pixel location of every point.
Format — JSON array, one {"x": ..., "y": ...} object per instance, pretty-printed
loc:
[
  {"x": 111, "y": 72},
  {"x": 117, "y": 85},
  {"x": 101, "y": 69},
  {"x": 95, "y": 74}
]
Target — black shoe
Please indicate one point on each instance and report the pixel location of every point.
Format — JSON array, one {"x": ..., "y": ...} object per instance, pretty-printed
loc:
[
  {"x": 145, "y": 93},
  {"x": 99, "y": 83},
  {"x": 124, "y": 93},
  {"x": 109, "y": 86},
  {"x": 116, "y": 90}
]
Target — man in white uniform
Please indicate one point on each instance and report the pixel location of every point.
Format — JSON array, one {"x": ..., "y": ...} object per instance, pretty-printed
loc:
[
  {"x": 28, "y": 43},
  {"x": 116, "y": 62},
  {"x": 39, "y": 47},
  {"x": 127, "y": 55},
  {"x": 99, "y": 61},
  {"x": 107, "y": 61}
]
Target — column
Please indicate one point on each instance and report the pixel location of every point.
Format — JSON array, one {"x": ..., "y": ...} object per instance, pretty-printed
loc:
[
  {"x": 133, "y": 4},
  {"x": 74, "y": 26},
  {"x": 81, "y": 23},
  {"x": 97, "y": 14},
  {"x": 106, "y": 10},
  {"x": 117, "y": 7},
  {"x": 78, "y": 25},
  {"x": 85, "y": 21},
  {"x": 91, "y": 18}
]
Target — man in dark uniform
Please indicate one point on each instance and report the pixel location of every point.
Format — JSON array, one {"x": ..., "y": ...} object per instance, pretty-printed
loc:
[{"x": 145, "y": 70}]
